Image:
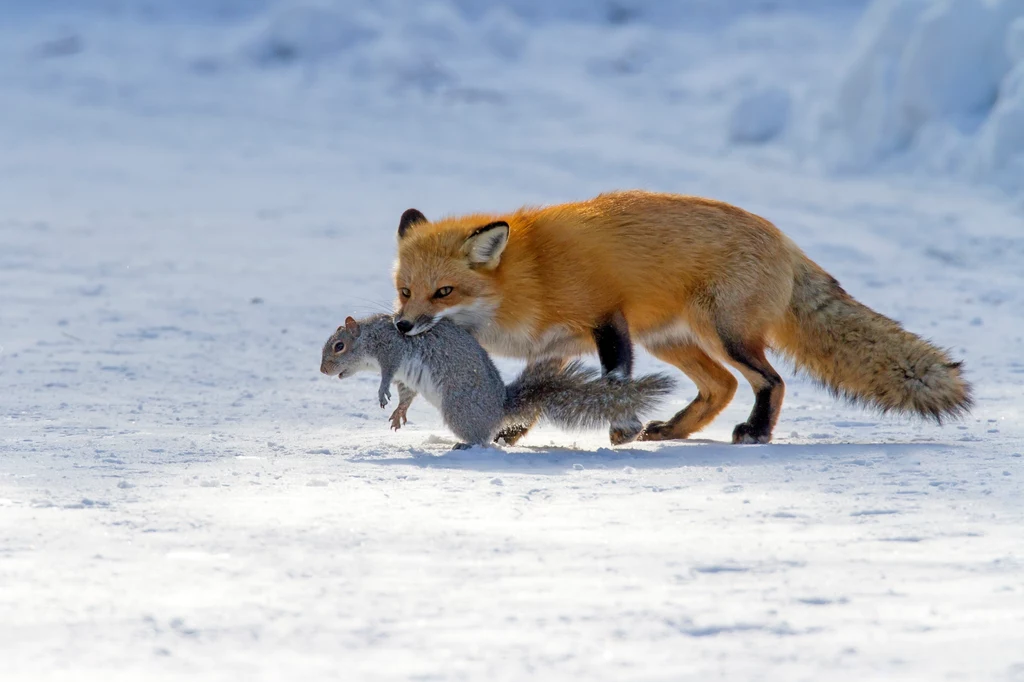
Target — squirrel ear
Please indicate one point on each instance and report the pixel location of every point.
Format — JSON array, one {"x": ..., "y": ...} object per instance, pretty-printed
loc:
[
  {"x": 351, "y": 326},
  {"x": 485, "y": 245},
  {"x": 409, "y": 219}
]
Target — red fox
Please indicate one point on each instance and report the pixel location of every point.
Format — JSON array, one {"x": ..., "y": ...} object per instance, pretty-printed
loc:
[{"x": 696, "y": 282}]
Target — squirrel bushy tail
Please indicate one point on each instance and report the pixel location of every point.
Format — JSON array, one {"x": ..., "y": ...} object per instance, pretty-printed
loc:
[{"x": 576, "y": 397}]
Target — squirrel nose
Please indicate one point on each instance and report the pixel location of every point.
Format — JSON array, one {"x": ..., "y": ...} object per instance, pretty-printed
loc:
[{"x": 404, "y": 326}]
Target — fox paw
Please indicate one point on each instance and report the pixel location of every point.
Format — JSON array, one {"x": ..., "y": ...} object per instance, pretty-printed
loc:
[
  {"x": 746, "y": 434},
  {"x": 659, "y": 430}
]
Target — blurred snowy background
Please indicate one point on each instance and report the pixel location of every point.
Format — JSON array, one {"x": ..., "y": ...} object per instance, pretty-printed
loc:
[
  {"x": 842, "y": 85},
  {"x": 194, "y": 193}
]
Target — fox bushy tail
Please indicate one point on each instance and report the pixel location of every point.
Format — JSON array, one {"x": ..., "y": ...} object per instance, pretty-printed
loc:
[
  {"x": 575, "y": 397},
  {"x": 864, "y": 356}
]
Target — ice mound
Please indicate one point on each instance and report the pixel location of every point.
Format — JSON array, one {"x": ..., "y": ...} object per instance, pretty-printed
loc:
[
  {"x": 936, "y": 81},
  {"x": 1001, "y": 140}
]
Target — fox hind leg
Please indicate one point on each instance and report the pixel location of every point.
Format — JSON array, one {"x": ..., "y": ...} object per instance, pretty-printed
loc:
[
  {"x": 769, "y": 390},
  {"x": 716, "y": 387}
]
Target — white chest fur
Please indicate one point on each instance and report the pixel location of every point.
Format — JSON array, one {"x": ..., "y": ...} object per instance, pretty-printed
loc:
[
  {"x": 416, "y": 375},
  {"x": 674, "y": 332},
  {"x": 523, "y": 343}
]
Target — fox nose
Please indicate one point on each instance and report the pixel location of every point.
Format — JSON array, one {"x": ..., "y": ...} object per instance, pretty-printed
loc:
[{"x": 404, "y": 326}]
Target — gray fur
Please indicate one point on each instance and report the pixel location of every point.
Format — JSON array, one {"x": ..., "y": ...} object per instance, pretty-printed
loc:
[
  {"x": 576, "y": 397},
  {"x": 454, "y": 373}
]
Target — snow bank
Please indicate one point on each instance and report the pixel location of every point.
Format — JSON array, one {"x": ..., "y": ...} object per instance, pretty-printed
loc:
[
  {"x": 928, "y": 84},
  {"x": 310, "y": 29},
  {"x": 935, "y": 84},
  {"x": 390, "y": 42},
  {"x": 938, "y": 82},
  {"x": 1001, "y": 140}
]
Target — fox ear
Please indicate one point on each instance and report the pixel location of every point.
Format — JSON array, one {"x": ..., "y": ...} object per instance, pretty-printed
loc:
[
  {"x": 352, "y": 327},
  {"x": 409, "y": 219},
  {"x": 485, "y": 245}
]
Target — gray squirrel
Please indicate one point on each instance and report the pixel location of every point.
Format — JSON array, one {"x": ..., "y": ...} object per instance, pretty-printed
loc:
[{"x": 456, "y": 375}]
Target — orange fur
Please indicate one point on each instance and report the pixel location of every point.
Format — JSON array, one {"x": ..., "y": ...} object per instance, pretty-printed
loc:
[{"x": 695, "y": 278}]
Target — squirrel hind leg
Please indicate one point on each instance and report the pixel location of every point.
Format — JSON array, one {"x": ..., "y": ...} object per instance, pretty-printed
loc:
[{"x": 626, "y": 431}]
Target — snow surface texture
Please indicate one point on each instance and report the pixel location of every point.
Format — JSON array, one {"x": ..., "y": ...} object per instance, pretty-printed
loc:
[{"x": 193, "y": 194}]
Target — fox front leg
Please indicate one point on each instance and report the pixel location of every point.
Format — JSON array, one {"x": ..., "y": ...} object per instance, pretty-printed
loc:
[
  {"x": 405, "y": 398},
  {"x": 614, "y": 347},
  {"x": 615, "y": 350}
]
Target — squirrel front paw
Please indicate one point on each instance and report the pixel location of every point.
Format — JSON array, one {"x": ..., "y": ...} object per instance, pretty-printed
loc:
[
  {"x": 384, "y": 395},
  {"x": 398, "y": 418}
]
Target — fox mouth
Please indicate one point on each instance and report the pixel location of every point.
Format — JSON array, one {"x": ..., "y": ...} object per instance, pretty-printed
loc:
[
  {"x": 423, "y": 324},
  {"x": 470, "y": 316},
  {"x": 341, "y": 374},
  {"x": 420, "y": 328}
]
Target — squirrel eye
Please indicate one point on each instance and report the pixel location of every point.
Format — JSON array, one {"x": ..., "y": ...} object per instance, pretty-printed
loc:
[
  {"x": 442, "y": 292},
  {"x": 405, "y": 292},
  {"x": 339, "y": 346}
]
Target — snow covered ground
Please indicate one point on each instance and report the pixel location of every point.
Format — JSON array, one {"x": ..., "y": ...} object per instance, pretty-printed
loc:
[{"x": 193, "y": 194}]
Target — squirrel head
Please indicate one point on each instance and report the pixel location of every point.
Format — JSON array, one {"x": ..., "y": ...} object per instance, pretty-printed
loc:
[{"x": 344, "y": 354}]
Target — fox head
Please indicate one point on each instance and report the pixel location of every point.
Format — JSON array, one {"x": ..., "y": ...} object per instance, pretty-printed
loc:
[{"x": 447, "y": 270}]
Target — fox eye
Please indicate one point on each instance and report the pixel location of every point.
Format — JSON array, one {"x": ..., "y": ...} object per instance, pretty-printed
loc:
[
  {"x": 405, "y": 292},
  {"x": 339, "y": 346},
  {"x": 442, "y": 292}
]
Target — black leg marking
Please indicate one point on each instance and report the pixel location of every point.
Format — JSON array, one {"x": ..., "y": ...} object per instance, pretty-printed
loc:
[
  {"x": 761, "y": 416},
  {"x": 740, "y": 354},
  {"x": 614, "y": 347},
  {"x": 615, "y": 350},
  {"x": 759, "y": 425}
]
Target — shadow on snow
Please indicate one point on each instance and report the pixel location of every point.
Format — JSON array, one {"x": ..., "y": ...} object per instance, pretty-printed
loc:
[{"x": 693, "y": 453}]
